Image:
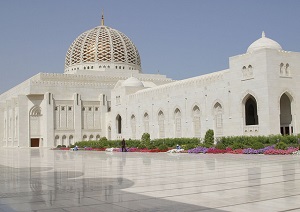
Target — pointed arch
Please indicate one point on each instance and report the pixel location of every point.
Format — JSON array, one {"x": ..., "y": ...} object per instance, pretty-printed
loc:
[
  {"x": 91, "y": 138},
  {"x": 56, "y": 141},
  {"x": 196, "y": 121},
  {"x": 109, "y": 132},
  {"x": 97, "y": 137},
  {"x": 286, "y": 118},
  {"x": 119, "y": 124},
  {"x": 146, "y": 122},
  {"x": 218, "y": 119},
  {"x": 71, "y": 139},
  {"x": 281, "y": 66},
  {"x": 161, "y": 124},
  {"x": 177, "y": 122},
  {"x": 250, "y": 108},
  {"x": 64, "y": 140},
  {"x": 133, "y": 126},
  {"x": 35, "y": 111},
  {"x": 35, "y": 121},
  {"x": 287, "y": 69}
]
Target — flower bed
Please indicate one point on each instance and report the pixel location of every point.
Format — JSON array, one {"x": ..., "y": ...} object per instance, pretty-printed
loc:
[
  {"x": 198, "y": 149},
  {"x": 289, "y": 151},
  {"x": 133, "y": 149},
  {"x": 269, "y": 150}
]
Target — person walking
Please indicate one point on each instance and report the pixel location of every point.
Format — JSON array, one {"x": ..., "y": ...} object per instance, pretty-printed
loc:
[{"x": 123, "y": 145}]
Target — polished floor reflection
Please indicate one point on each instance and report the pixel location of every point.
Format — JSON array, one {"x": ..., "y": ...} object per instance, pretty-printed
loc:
[{"x": 37, "y": 179}]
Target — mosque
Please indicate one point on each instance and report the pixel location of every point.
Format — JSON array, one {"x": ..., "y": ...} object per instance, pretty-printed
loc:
[{"x": 103, "y": 93}]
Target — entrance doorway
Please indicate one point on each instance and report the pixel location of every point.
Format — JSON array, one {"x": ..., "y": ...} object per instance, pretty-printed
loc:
[
  {"x": 35, "y": 142},
  {"x": 286, "y": 119}
]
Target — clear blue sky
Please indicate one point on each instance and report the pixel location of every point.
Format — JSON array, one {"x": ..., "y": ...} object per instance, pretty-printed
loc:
[{"x": 180, "y": 38}]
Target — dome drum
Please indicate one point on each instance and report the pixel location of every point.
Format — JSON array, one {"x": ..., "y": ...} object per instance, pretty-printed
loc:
[{"x": 102, "y": 66}]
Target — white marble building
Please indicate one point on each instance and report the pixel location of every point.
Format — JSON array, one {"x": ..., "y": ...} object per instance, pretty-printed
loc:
[{"x": 103, "y": 92}]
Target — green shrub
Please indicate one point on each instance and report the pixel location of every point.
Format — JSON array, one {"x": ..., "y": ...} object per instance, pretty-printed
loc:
[
  {"x": 281, "y": 145},
  {"x": 209, "y": 137},
  {"x": 58, "y": 146},
  {"x": 188, "y": 146},
  {"x": 151, "y": 145},
  {"x": 141, "y": 146},
  {"x": 220, "y": 145},
  {"x": 257, "y": 145},
  {"x": 172, "y": 142},
  {"x": 162, "y": 147},
  {"x": 103, "y": 139},
  {"x": 237, "y": 145},
  {"x": 145, "y": 137}
]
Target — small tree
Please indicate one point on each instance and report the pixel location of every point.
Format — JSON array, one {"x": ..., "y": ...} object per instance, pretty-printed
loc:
[
  {"x": 145, "y": 138},
  {"x": 209, "y": 138}
]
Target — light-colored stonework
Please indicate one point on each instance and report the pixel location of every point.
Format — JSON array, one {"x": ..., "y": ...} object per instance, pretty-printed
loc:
[{"x": 103, "y": 92}]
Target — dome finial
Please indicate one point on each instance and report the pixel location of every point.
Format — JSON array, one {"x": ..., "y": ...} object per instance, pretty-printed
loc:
[
  {"x": 102, "y": 19},
  {"x": 263, "y": 34}
]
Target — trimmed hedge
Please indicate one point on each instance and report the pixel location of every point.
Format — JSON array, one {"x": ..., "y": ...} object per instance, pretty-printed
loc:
[
  {"x": 256, "y": 141},
  {"x": 234, "y": 142}
]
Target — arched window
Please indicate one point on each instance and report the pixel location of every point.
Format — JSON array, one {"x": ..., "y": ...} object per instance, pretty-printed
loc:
[
  {"x": 244, "y": 71},
  {"x": 84, "y": 137},
  {"x": 287, "y": 69},
  {"x": 146, "y": 123},
  {"x": 133, "y": 126},
  {"x": 161, "y": 124},
  {"x": 281, "y": 68},
  {"x": 196, "y": 121},
  {"x": 250, "y": 71},
  {"x": 91, "y": 138},
  {"x": 71, "y": 139},
  {"x": 56, "y": 141},
  {"x": 119, "y": 124},
  {"x": 97, "y": 137},
  {"x": 251, "y": 111},
  {"x": 109, "y": 133},
  {"x": 64, "y": 140},
  {"x": 218, "y": 113},
  {"x": 177, "y": 116}
]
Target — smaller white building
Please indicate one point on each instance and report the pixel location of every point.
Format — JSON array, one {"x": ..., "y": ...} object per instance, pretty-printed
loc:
[{"x": 256, "y": 95}]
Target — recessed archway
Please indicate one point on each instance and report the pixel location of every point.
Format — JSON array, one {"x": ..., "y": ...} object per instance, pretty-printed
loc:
[
  {"x": 251, "y": 117},
  {"x": 109, "y": 133},
  {"x": 177, "y": 117},
  {"x": 161, "y": 124},
  {"x": 286, "y": 119},
  {"x": 119, "y": 124},
  {"x": 196, "y": 121}
]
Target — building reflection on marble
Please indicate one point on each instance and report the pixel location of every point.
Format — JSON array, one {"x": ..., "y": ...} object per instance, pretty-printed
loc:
[{"x": 37, "y": 179}]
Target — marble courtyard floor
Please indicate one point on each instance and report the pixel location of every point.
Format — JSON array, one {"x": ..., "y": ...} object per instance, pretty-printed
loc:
[{"x": 39, "y": 179}]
